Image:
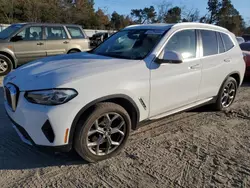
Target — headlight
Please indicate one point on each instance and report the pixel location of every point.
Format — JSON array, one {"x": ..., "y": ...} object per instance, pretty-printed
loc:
[{"x": 51, "y": 97}]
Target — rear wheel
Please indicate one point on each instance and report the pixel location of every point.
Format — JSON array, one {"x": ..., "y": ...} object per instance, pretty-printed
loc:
[
  {"x": 104, "y": 133},
  {"x": 73, "y": 51},
  {"x": 5, "y": 65},
  {"x": 226, "y": 94}
]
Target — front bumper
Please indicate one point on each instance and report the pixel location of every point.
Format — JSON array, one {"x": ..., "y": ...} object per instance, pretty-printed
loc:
[
  {"x": 42, "y": 125},
  {"x": 24, "y": 136}
]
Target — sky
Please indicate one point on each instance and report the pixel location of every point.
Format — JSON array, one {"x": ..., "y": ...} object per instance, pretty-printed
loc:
[{"x": 124, "y": 6}]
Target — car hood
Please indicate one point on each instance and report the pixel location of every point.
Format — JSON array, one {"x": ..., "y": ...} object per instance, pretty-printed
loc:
[{"x": 54, "y": 71}]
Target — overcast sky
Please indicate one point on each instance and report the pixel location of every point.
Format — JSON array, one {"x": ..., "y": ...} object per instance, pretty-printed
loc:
[{"x": 124, "y": 6}]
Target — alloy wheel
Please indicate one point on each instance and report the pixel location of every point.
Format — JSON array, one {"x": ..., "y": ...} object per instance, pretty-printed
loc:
[
  {"x": 3, "y": 66},
  {"x": 228, "y": 95},
  {"x": 106, "y": 134}
]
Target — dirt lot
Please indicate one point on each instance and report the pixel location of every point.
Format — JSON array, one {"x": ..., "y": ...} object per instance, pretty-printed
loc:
[{"x": 192, "y": 149}]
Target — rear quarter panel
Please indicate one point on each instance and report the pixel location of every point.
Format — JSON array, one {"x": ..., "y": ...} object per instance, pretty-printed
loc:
[
  {"x": 238, "y": 64},
  {"x": 81, "y": 44}
]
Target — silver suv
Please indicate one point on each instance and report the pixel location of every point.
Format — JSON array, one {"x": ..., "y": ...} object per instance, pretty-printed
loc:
[{"x": 24, "y": 42}]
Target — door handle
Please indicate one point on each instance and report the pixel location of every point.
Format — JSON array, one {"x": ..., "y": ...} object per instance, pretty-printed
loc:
[
  {"x": 197, "y": 66},
  {"x": 65, "y": 42},
  {"x": 227, "y": 60},
  {"x": 40, "y": 44}
]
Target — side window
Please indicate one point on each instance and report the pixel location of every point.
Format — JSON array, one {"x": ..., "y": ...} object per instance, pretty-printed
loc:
[
  {"x": 184, "y": 43},
  {"x": 220, "y": 43},
  {"x": 31, "y": 33},
  {"x": 55, "y": 33},
  {"x": 227, "y": 41},
  {"x": 209, "y": 41},
  {"x": 75, "y": 32}
]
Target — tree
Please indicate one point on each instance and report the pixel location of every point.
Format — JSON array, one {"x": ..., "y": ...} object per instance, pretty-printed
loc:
[
  {"x": 213, "y": 9},
  {"x": 230, "y": 18},
  {"x": 146, "y": 15},
  {"x": 247, "y": 30},
  {"x": 163, "y": 8},
  {"x": 173, "y": 15},
  {"x": 102, "y": 19},
  {"x": 115, "y": 20},
  {"x": 191, "y": 16},
  {"x": 6, "y": 11}
]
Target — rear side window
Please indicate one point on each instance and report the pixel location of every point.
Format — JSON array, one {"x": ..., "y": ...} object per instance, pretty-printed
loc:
[
  {"x": 75, "y": 32},
  {"x": 227, "y": 41},
  {"x": 220, "y": 43},
  {"x": 55, "y": 33},
  {"x": 209, "y": 41}
]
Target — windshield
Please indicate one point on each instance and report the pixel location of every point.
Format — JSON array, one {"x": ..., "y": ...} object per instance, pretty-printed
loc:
[
  {"x": 130, "y": 44},
  {"x": 9, "y": 31}
]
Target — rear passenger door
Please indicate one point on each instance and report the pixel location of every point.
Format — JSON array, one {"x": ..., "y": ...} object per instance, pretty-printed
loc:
[
  {"x": 57, "y": 40},
  {"x": 215, "y": 62}
]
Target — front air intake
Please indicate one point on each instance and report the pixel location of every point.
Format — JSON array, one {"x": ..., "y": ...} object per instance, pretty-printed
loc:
[{"x": 48, "y": 131}]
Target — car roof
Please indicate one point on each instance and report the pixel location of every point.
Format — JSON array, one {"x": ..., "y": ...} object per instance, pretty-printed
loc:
[
  {"x": 47, "y": 24},
  {"x": 163, "y": 26}
]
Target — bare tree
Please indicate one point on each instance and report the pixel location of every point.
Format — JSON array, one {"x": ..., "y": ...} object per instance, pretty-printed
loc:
[{"x": 163, "y": 9}]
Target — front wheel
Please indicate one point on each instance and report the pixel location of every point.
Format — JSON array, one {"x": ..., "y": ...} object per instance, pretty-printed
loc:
[
  {"x": 226, "y": 94},
  {"x": 5, "y": 65},
  {"x": 104, "y": 133}
]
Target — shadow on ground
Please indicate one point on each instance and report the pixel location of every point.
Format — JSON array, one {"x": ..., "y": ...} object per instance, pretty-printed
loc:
[{"x": 14, "y": 154}]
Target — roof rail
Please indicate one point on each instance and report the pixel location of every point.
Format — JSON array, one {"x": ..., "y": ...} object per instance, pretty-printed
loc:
[{"x": 201, "y": 24}]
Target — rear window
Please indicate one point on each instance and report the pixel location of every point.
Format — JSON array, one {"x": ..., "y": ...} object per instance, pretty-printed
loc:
[
  {"x": 227, "y": 41},
  {"x": 209, "y": 41},
  {"x": 245, "y": 47},
  {"x": 75, "y": 32}
]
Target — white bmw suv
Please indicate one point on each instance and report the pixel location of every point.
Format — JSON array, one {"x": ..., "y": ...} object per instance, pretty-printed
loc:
[{"x": 91, "y": 101}]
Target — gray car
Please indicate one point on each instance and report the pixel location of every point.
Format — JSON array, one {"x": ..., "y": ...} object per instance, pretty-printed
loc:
[{"x": 24, "y": 42}]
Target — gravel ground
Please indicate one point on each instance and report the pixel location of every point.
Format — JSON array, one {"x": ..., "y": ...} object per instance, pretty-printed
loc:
[{"x": 193, "y": 149}]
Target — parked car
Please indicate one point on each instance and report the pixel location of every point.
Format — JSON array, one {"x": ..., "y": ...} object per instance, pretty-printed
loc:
[
  {"x": 246, "y": 37},
  {"x": 240, "y": 40},
  {"x": 20, "y": 43},
  {"x": 245, "y": 47},
  {"x": 98, "y": 38},
  {"x": 92, "y": 100}
]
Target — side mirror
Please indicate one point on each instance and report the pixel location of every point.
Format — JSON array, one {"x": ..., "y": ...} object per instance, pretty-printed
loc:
[
  {"x": 170, "y": 57},
  {"x": 16, "y": 38}
]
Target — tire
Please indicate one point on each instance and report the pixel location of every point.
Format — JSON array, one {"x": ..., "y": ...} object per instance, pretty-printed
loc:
[
  {"x": 73, "y": 51},
  {"x": 5, "y": 65},
  {"x": 219, "y": 106},
  {"x": 87, "y": 140}
]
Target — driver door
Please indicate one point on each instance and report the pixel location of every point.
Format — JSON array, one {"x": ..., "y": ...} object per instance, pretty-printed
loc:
[
  {"x": 176, "y": 85},
  {"x": 31, "y": 45}
]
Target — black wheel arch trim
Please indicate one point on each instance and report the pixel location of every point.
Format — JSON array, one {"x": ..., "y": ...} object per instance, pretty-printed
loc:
[
  {"x": 86, "y": 107},
  {"x": 235, "y": 72},
  {"x": 73, "y": 49}
]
